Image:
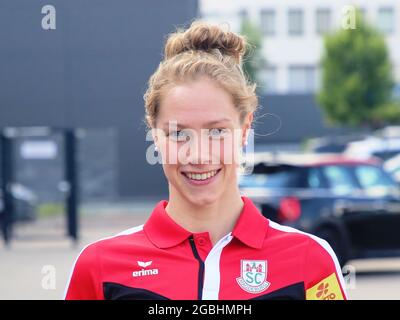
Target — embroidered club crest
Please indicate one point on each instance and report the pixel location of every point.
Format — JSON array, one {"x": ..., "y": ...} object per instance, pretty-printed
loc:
[{"x": 253, "y": 277}]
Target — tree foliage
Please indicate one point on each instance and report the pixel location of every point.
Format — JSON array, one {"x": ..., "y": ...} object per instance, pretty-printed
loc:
[
  {"x": 252, "y": 60},
  {"x": 357, "y": 81}
]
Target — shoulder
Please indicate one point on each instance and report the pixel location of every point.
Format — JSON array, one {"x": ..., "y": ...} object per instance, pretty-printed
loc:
[
  {"x": 320, "y": 261},
  {"x": 90, "y": 253},
  {"x": 315, "y": 249},
  {"x": 291, "y": 234},
  {"x": 85, "y": 275},
  {"x": 120, "y": 239}
]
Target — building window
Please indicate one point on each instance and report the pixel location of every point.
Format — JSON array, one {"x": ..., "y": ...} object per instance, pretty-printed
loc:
[
  {"x": 268, "y": 22},
  {"x": 323, "y": 21},
  {"x": 386, "y": 20},
  {"x": 268, "y": 79},
  {"x": 295, "y": 22},
  {"x": 302, "y": 79}
]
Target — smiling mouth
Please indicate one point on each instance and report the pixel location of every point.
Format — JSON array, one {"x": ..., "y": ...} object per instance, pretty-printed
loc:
[{"x": 204, "y": 176}]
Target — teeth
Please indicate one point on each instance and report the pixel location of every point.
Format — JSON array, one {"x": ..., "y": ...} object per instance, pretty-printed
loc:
[{"x": 201, "y": 176}]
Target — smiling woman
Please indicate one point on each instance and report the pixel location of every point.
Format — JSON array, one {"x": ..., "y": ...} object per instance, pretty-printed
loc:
[
  {"x": 207, "y": 241},
  {"x": 200, "y": 182},
  {"x": 200, "y": 87}
]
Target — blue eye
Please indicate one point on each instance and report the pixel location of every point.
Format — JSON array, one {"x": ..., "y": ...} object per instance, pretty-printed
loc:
[
  {"x": 217, "y": 132},
  {"x": 179, "y": 135}
]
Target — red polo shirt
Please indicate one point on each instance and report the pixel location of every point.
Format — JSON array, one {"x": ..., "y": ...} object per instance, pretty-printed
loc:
[{"x": 259, "y": 259}]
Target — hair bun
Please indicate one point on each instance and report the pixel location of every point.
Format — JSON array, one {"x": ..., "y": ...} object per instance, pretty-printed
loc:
[{"x": 202, "y": 36}]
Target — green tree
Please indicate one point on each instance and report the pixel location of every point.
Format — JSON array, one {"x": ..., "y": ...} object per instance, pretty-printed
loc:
[
  {"x": 357, "y": 81},
  {"x": 252, "y": 60}
]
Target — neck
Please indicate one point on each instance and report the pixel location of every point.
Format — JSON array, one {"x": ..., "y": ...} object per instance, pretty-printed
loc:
[{"x": 217, "y": 218}]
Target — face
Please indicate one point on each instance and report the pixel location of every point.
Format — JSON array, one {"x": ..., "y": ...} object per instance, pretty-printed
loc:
[{"x": 199, "y": 135}]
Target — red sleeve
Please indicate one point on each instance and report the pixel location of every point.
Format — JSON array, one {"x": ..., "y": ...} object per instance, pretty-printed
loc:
[
  {"x": 85, "y": 283},
  {"x": 324, "y": 279}
]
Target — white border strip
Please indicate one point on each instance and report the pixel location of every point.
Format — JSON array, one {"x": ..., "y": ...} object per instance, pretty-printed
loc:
[{"x": 212, "y": 269}]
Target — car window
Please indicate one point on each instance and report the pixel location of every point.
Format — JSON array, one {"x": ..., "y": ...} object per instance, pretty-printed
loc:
[
  {"x": 284, "y": 179},
  {"x": 272, "y": 177},
  {"x": 384, "y": 155},
  {"x": 339, "y": 179},
  {"x": 314, "y": 179},
  {"x": 371, "y": 177},
  {"x": 395, "y": 173}
]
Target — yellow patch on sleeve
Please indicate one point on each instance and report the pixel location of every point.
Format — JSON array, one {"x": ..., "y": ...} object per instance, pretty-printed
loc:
[{"x": 327, "y": 289}]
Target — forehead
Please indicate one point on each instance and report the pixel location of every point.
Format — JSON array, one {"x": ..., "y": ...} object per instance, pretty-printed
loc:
[{"x": 196, "y": 103}]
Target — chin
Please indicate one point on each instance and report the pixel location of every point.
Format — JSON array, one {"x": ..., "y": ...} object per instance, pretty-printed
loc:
[{"x": 202, "y": 200}]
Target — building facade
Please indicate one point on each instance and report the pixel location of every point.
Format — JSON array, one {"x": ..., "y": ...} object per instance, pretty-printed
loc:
[{"x": 293, "y": 32}]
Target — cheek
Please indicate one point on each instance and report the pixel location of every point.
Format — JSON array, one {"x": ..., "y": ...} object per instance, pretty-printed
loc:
[
  {"x": 229, "y": 151},
  {"x": 170, "y": 172},
  {"x": 166, "y": 149},
  {"x": 170, "y": 169},
  {"x": 169, "y": 152}
]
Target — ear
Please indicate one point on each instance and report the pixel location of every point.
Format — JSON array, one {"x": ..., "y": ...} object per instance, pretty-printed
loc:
[
  {"x": 154, "y": 133},
  {"x": 246, "y": 127}
]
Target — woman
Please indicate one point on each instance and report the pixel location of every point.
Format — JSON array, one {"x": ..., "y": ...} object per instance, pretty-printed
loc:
[{"x": 207, "y": 241}]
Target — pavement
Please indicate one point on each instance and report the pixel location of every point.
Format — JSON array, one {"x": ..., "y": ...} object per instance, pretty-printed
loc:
[{"x": 38, "y": 262}]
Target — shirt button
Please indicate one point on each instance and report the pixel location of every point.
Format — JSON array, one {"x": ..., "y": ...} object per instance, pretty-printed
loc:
[{"x": 201, "y": 241}]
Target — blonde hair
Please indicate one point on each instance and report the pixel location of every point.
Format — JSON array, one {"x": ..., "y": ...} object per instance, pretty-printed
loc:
[{"x": 202, "y": 50}]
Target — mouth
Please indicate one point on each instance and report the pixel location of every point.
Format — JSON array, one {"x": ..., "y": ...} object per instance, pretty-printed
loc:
[{"x": 203, "y": 178}]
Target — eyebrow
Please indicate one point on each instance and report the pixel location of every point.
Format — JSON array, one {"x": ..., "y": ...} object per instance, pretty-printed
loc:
[{"x": 207, "y": 124}]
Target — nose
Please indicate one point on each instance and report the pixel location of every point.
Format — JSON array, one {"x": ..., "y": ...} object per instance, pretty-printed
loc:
[{"x": 198, "y": 151}]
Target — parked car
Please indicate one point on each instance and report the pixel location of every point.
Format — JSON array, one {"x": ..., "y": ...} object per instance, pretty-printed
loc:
[
  {"x": 25, "y": 203},
  {"x": 353, "y": 204},
  {"x": 392, "y": 165},
  {"x": 332, "y": 144},
  {"x": 373, "y": 146}
]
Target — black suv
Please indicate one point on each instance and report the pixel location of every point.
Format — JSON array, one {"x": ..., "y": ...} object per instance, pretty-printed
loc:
[{"x": 353, "y": 204}]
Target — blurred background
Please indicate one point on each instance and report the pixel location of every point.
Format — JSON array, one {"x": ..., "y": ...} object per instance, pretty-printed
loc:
[{"x": 73, "y": 142}]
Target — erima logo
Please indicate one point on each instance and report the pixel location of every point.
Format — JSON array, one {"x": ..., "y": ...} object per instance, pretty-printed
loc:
[
  {"x": 144, "y": 272},
  {"x": 144, "y": 264}
]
